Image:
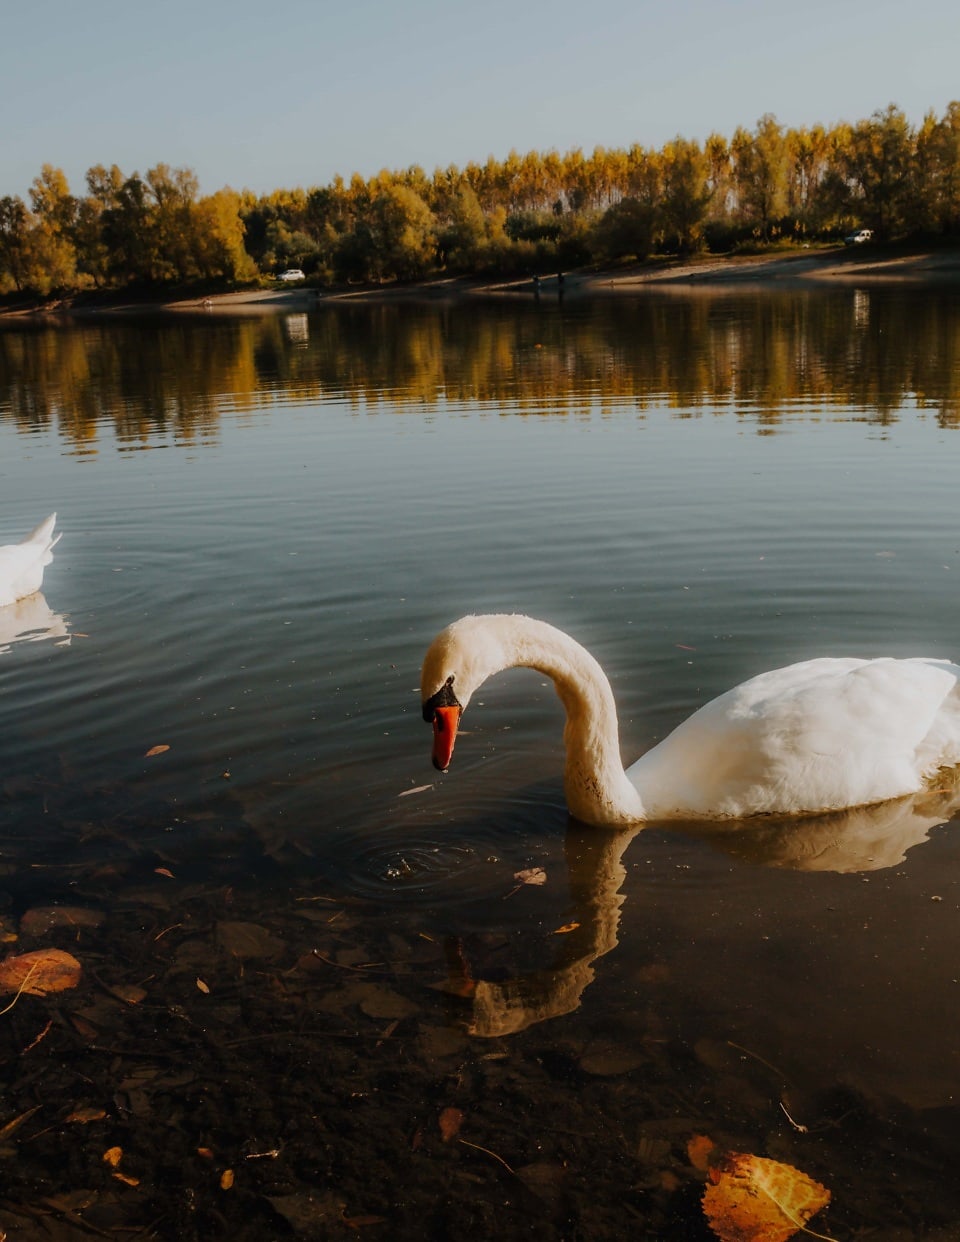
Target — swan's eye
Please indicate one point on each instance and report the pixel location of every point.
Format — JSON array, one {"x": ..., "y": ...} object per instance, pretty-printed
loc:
[{"x": 443, "y": 698}]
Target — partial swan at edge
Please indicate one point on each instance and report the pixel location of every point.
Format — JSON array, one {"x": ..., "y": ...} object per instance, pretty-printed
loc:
[
  {"x": 22, "y": 564},
  {"x": 823, "y": 735}
]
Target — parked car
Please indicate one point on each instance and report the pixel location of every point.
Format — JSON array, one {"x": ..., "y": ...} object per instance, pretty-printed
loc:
[
  {"x": 861, "y": 235},
  {"x": 292, "y": 273}
]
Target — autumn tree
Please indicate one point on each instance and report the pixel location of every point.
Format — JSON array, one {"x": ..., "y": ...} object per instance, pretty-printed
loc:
[
  {"x": 403, "y": 233},
  {"x": 625, "y": 230},
  {"x": 218, "y": 236},
  {"x": 684, "y": 194},
  {"x": 937, "y": 171},
  {"x": 806, "y": 152},
  {"x": 52, "y": 255},
  {"x": 14, "y": 230},
  {"x": 760, "y": 174},
  {"x": 463, "y": 236},
  {"x": 880, "y": 165}
]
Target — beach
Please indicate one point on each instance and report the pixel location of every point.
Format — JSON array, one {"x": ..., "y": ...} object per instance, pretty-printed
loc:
[
  {"x": 813, "y": 268},
  {"x": 816, "y": 267}
]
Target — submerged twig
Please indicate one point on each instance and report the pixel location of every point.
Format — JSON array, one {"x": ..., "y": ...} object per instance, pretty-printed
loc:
[
  {"x": 342, "y": 965},
  {"x": 487, "y": 1152},
  {"x": 26, "y": 979}
]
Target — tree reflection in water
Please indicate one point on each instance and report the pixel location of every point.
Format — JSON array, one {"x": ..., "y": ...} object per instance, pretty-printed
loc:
[{"x": 708, "y": 353}]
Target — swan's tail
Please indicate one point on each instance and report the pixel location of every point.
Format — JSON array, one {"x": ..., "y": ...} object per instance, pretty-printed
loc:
[{"x": 44, "y": 538}]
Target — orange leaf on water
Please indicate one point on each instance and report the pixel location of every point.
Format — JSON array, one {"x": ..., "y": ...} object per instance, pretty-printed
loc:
[
  {"x": 155, "y": 750},
  {"x": 567, "y": 927},
  {"x": 113, "y": 1156},
  {"x": 40, "y": 972},
  {"x": 753, "y": 1199},
  {"x": 699, "y": 1148},
  {"x": 451, "y": 1119}
]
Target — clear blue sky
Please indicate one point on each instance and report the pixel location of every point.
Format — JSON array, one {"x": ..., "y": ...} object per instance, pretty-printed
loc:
[{"x": 277, "y": 95}]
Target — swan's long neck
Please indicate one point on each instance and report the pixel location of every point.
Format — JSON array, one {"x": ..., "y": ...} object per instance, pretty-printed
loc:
[{"x": 595, "y": 784}]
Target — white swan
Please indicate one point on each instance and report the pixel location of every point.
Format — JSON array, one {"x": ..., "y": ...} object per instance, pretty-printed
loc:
[
  {"x": 22, "y": 564},
  {"x": 818, "y": 736}
]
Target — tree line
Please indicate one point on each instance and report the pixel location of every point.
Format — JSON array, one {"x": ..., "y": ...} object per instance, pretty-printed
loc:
[{"x": 520, "y": 215}]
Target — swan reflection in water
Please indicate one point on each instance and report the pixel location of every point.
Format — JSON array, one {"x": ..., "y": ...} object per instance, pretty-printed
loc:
[
  {"x": 31, "y": 620},
  {"x": 869, "y": 838}
]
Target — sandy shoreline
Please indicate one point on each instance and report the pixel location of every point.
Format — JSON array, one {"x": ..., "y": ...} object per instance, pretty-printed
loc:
[{"x": 814, "y": 268}]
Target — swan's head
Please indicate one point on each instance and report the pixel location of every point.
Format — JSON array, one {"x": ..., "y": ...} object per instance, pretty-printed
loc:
[{"x": 460, "y": 658}]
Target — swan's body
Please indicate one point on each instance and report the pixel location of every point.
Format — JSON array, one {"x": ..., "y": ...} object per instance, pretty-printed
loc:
[
  {"x": 818, "y": 736},
  {"x": 22, "y": 564}
]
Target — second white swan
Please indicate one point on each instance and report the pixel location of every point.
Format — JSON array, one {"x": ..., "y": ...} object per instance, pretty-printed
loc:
[
  {"x": 818, "y": 736},
  {"x": 22, "y": 564}
]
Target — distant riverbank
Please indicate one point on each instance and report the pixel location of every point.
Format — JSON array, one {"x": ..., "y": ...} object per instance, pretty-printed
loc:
[{"x": 812, "y": 268}]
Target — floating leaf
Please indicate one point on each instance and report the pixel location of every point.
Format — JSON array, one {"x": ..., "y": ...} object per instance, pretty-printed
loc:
[
  {"x": 533, "y": 875},
  {"x": 226, "y": 1179},
  {"x": 127, "y": 1179},
  {"x": 567, "y": 927},
  {"x": 113, "y": 1156},
  {"x": 17, "y": 1122},
  {"x": 699, "y": 1149},
  {"x": 405, "y": 793},
  {"x": 248, "y": 939},
  {"x": 753, "y": 1199},
  {"x": 42, "y": 919},
  {"x": 155, "y": 750},
  {"x": 203, "y": 987},
  {"x": 310, "y": 1215},
  {"x": 45, "y": 970},
  {"x": 451, "y": 1119},
  {"x": 607, "y": 1058},
  {"x": 129, "y": 993},
  {"x": 84, "y": 1115}
]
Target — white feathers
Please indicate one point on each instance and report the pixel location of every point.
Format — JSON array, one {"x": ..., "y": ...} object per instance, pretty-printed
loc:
[{"x": 22, "y": 564}]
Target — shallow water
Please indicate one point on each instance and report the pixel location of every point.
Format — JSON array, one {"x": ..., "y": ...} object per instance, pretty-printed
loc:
[{"x": 265, "y": 521}]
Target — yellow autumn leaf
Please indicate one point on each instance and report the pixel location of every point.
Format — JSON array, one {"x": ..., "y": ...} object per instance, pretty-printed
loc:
[
  {"x": 226, "y": 1179},
  {"x": 753, "y": 1199},
  {"x": 113, "y": 1156},
  {"x": 40, "y": 972}
]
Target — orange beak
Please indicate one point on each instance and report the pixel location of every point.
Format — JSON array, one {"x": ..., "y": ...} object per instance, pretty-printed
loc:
[{"x": 445, "y": 721}]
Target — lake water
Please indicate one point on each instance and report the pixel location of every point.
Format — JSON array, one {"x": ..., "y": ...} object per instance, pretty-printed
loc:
[{"x": 350, "y": 1016}]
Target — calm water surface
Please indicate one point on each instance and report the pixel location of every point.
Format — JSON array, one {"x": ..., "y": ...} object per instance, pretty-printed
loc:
[{"x": 265, "y": 520}]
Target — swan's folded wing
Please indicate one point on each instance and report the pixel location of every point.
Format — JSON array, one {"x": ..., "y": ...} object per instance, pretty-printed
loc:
[{"x": 815, "y": 736}]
